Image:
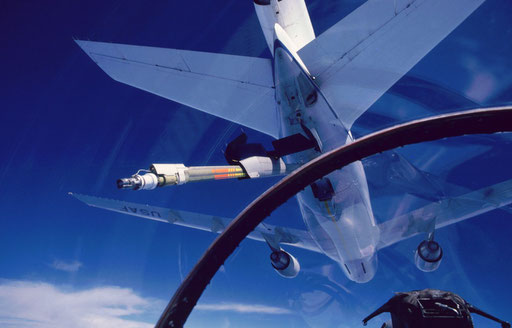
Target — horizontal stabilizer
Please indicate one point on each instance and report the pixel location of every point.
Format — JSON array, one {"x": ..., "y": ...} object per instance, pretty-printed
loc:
[
  {"x": 236, "y": 88},
  {"x": 359, "y": 58},
  {"x": 211, "y": 223}
]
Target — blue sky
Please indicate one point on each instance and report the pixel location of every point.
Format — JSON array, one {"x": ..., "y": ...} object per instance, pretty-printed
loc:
[{"x": 67, "y": 126}]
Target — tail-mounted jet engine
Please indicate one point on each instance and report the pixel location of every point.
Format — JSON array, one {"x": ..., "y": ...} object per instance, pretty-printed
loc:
[
  {"x": 285, "y": 264},
  {"x": 428, "y": 255}
]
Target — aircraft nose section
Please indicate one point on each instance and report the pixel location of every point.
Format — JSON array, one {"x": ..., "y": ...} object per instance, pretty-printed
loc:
[{"x": 361, "y": 270}]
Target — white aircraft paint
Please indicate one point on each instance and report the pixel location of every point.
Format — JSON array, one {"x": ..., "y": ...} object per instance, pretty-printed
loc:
[{"x": 320, "y": 86}]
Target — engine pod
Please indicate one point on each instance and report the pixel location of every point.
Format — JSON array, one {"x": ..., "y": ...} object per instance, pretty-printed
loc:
[
  {"x": 428, "y": 256},
  {"x": 285, "y": 264}
]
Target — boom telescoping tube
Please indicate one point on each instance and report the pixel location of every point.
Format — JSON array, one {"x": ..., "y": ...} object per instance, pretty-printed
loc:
[
  {"x": 160, "y": 175},
  {"x": 174, "y": 174}
]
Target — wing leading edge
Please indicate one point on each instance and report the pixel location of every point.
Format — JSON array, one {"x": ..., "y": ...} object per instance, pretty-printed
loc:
[
  {"x": 442, "y": 213},
  {"x": 237, "y": 88},
  {"x": 359, "y": 58},
  {"x": 216, "y": 224}
]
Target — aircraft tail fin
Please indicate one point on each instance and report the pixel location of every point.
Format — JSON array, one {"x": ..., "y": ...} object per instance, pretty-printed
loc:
[{"x": 236, "y": 88}]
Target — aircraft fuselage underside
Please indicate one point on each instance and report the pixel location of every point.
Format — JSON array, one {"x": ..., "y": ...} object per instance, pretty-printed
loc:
[{"x": 337, "y": 208}]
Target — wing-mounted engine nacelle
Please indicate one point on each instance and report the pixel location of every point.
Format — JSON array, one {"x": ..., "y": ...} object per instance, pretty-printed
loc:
[
  {"x": 428, "y": 256},
  {"x": 285, "y": 264}
]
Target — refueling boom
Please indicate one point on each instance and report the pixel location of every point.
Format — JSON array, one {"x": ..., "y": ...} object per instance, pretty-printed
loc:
[{"x": 160, "y": 175}]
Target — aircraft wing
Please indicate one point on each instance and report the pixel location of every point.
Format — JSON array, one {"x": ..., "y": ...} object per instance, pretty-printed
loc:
[
  {"x": 281, "y": 235},
  {"x": 445, "y": 212},
  {"x": 236, "y": 88},
  {"x": 359, "y": 58}
]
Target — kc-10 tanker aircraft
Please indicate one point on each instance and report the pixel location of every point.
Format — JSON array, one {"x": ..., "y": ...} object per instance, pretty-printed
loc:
[{"x": 307, "y": 97}]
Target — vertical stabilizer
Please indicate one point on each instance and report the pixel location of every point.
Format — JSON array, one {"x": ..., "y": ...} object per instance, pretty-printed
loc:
[{"x": 291, "y": 15}]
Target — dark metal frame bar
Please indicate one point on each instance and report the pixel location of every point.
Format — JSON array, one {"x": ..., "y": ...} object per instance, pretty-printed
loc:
[{"x": 478, "y": 121}]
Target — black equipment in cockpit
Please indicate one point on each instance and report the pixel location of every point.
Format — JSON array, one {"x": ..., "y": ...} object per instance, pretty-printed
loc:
[{"x": 430, "y": 308}]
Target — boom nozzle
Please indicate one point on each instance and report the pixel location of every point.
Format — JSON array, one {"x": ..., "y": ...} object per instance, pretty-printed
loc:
[
  {"x": 126, "y": 183},
  {"x": 147, "y": 181}
]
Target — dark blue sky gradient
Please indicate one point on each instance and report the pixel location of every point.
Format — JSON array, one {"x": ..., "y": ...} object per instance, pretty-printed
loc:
[{"x": 66, "y": 126}]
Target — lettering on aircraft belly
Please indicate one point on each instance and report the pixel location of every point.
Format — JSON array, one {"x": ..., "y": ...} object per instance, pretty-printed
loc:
[{"x": 140, "y": 211}]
